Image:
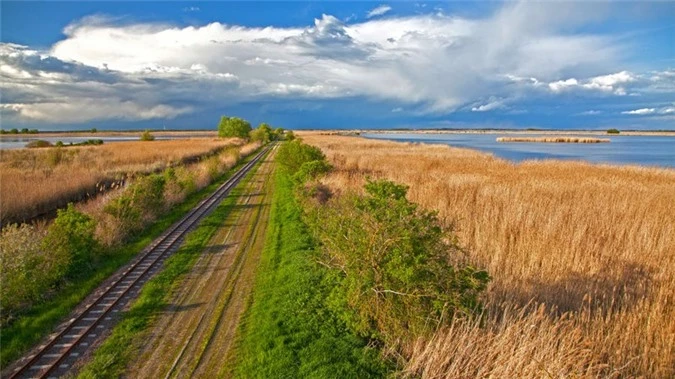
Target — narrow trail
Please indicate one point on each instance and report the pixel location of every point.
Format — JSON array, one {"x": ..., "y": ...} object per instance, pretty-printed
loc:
[{"x": 195, "y": 335}]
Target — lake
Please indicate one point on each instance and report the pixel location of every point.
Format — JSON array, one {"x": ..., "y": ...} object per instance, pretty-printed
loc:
[{"x": 639, "y": 150}]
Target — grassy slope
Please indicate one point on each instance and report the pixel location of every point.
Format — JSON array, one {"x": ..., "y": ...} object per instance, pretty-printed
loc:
[
  {"x": 111, "y": 357},
  {"x": 33, "y": 325},
  {"x": 287, "y": 331}
]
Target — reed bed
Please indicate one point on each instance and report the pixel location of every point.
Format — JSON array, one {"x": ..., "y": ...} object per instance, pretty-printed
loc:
[
  {"x": 36, "y": 181},
  {"x": 554, "y": 139},
  {"x": 582, "y": 258}
]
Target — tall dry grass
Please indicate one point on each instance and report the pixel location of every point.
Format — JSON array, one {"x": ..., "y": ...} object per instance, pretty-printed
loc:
[
  {"x": 35, "y": 181},
  {"x": 582, "y": 258}
]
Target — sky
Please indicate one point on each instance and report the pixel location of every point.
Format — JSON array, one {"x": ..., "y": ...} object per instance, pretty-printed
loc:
[{"x": 338, "y": 65}]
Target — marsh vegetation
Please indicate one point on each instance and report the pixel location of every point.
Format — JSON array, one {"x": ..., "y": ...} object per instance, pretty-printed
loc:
[{"x": 580, "y": 255}]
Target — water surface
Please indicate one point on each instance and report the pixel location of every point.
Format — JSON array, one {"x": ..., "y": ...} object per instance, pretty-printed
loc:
[{"x": 639, "y": 150}]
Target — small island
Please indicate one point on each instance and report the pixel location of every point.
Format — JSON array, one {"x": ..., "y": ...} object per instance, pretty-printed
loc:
[{"x": 553, "y": 139}]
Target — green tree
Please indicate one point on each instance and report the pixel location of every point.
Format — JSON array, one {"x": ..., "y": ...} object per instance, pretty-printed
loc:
[
  {"x": 391, "y": 264},
  {"x": 613, "y": 131},
  {"x": 233, "y": 127},
  {"x": 262, "y": 133}
]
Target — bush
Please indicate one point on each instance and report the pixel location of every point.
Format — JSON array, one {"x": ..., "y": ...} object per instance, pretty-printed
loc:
[
  {"x": 72, "y": 235},
  {"x": 233, "y": 127},
  {"x": 27, "y": 269},
  {"x": 147, "y": 136},
  {"x": 140, "y": 202},
  {"x": 292, "y": 155},
  {"x": 613, "y": 131},
  {"x": 391, "y": 265},
  {"x": 311, "y": 170}
]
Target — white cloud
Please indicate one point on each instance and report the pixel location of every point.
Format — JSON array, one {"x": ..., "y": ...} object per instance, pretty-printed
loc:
[
  {"x": 611, "y": 83},
  {"x": 591, "y": 112},
  {"x": 378, "y": 11},
  {"x": 562, "y": 85},
  {"x": 423, "y": 63},
  {"x": 641, "y": 111},
  {"x": 667, "y": 110},
  {"x": 191, "y": 9},
  {"x": 490, "y": 106}
]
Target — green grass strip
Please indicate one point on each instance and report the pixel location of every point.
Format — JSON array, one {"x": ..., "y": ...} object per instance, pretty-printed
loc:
[
  {"x": 34, "y": 324},
  {"x": 287, "y": 331},
  {"x": 111, "y": 358}
]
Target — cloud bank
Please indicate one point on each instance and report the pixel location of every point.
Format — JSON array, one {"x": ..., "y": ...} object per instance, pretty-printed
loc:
[{"x": 426, "y": 64}]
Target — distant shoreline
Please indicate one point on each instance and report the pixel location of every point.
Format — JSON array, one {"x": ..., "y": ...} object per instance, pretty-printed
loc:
[{"x": 106, "y": 133}]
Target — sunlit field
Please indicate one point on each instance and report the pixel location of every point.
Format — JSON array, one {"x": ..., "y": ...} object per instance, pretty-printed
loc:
[
  {"x": 582, "y": 258},
  {"x": 34, "y": 181}
]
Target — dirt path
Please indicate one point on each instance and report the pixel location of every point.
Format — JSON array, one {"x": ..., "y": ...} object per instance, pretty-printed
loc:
[{"x": 196, "y": 333}]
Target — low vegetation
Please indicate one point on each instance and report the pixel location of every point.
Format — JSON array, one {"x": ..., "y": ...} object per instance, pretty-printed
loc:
[
  {"x": 580, "y": 257},
  {"x": 613, "y": 131},
  {"x": 553, "y": 139}
]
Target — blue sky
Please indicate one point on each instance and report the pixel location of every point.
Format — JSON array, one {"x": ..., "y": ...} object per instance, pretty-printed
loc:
[{"x": 180, "y": 65}]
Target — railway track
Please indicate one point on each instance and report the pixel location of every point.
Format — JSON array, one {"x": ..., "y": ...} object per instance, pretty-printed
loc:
[{"x": 75, "y": 338}]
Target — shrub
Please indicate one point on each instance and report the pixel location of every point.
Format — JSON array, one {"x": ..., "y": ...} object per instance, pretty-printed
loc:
[
  {"x": 233, "y": 127},
  {"x": 27, "y": 269},
  {"x": 391, "y": 264},
  {"x": 292, "y": 155},
  {"x": 311, "y": 170},
  {"x": 147, "y": 136},
  {"x": 139, "y": 202},
  {"x": 72, "y": 235},
  {"x": 613, "y": 131}
]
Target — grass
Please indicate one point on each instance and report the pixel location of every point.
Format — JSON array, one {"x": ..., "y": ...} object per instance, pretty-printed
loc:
[
  {"x": 553, "y": 139},
  {"x": 581, "y": 257},
  {"x": 36, "y": 181},
  {"x": 35, "y": 323},
  {"x": 287, "y": 331},
  {"x": 111, "y": 357}
]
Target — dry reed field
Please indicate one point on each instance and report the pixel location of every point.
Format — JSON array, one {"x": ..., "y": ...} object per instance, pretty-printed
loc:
[
  {"x": 553, "y": 139},
  {"x": 582, "y": 258},
  {"x": 34, "y": 181}
]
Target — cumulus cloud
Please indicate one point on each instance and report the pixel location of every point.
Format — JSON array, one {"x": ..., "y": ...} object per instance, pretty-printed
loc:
[
  {"x": 490, "y": 106},
  {"x": 667, "y": 110},
  {"x": 378, "y": 11},
  {"x": 424, "y": 63},
  {"x": 641, "y": 111}
]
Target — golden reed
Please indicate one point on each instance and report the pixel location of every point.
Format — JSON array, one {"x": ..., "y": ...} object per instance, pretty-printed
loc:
[
  {"x": 34, "y": 181},
  {"x": 582, "y": 258}
]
